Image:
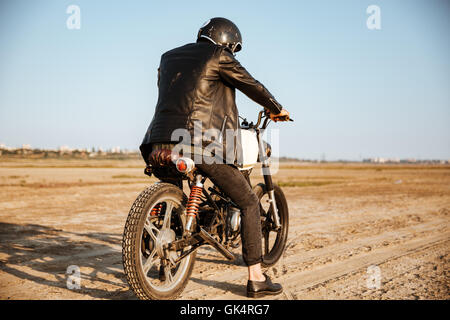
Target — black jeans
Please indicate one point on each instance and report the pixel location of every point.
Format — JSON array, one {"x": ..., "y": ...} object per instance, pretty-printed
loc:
[{"x": 234, "y": 185}]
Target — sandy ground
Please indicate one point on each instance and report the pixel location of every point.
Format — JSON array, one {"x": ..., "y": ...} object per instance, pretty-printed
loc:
[{"x": 356, "y": 232}]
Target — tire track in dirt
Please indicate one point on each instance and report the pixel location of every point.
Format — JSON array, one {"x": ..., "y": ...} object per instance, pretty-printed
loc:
[
  {"x": 211, "y": 283},
  {"x": 290, "y": 263},
  {"x": 294, "y": 283},
  {"x": 312, "y": 278}
]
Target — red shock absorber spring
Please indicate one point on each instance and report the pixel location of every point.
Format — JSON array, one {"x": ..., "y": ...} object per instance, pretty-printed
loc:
[
  {"x": 194, "y": 201},
  {"x": 156, "y": 209}
]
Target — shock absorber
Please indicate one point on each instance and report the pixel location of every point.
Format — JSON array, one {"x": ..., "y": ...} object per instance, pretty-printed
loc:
[
  {"x": 194, "y": 203},
  {"x": 156, "y": 209}
]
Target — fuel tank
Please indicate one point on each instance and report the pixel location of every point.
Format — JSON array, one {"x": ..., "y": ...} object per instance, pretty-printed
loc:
[{"x": 250, "y": 149}]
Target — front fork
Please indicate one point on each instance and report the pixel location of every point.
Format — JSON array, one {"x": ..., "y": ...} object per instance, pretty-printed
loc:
[{"x": 268, "y": 180}]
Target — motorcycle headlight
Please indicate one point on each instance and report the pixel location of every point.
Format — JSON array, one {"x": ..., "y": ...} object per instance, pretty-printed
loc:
[{"x": 268, "y": 149}]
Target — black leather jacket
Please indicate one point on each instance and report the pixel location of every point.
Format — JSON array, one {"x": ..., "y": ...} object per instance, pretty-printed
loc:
[{"x": 197, "y": 82}]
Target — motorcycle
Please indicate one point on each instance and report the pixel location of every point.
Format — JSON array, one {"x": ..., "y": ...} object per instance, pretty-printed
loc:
[{"x": 164, "y": 227}]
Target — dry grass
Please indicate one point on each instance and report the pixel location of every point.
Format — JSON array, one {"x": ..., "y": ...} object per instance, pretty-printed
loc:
[
  {"x": 126, "y": 176},
  {"x": 362, "y": 166},
  {"x": 305, "y": 183}
]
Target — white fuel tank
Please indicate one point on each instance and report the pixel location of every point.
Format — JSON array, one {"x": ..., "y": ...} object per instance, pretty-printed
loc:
[{"x": 249, "y": 148}]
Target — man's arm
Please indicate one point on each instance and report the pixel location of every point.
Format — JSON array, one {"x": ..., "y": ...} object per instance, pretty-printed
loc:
[{"x": 232, "y": 72}]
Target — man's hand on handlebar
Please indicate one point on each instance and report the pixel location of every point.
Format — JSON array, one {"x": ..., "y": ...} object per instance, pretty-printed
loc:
[{"x": 282, "y": 116}]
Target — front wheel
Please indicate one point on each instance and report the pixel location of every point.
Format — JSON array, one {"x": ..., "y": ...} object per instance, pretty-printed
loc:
[
  {"x": 273, "y": 240},
  {"x": 156, "y": 218}
]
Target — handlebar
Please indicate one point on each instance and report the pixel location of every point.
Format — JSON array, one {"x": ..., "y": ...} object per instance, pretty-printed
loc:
[{"x": 262, "y": 114}]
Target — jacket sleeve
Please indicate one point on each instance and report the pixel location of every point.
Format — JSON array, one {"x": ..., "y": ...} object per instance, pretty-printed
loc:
[{"x": 233, "y": 73}]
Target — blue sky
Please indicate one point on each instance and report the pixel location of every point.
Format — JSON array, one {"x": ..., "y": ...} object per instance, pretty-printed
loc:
[{"x": 353, "y": 92}]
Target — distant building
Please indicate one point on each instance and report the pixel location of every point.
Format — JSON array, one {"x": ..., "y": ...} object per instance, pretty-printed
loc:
[
  {"x": 65, "y": 150},
  {"x": 382, "y": 160}
]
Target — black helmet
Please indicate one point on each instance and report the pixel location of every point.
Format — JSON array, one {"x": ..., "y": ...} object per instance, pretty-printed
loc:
[{"x": 223, "y": 32}]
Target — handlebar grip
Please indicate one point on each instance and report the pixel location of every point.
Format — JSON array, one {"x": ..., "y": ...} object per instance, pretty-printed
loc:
[{"x": 284, "y": 118}]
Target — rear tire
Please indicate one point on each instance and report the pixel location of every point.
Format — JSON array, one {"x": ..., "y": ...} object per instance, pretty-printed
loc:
[
  {"x": 273, "y": 241},
  {"x": 142, "y": 235}
]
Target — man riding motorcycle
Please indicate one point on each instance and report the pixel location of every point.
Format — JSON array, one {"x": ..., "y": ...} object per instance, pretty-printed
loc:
[{"x": 197, "y": 82}]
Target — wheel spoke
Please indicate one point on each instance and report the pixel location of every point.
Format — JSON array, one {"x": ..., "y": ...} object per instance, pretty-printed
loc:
[
  {"x": 168, "y": 274},
  {"x": 151, "y": 229},
  {"x": 150, "y": 262},
  {"x": 167, "y": 215}
]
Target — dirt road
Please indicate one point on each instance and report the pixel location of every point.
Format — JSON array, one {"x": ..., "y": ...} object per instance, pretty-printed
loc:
[{"x": 356, "y": 232}]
